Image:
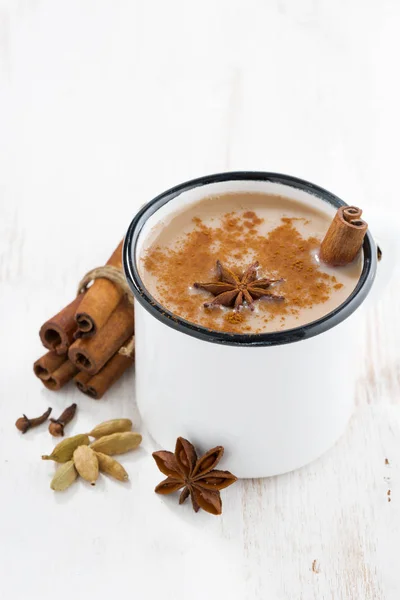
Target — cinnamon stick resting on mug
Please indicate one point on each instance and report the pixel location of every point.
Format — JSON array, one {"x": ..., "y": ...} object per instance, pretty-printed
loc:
[
  {"x": 91, "y": 353},
  {"x": 100, "y": 301},
  {"x": 97, "y": 385},
  {"x": 58, "y": 332},
  {"x": 54, "y": 370},
  {"x": 344, "y": 238}
]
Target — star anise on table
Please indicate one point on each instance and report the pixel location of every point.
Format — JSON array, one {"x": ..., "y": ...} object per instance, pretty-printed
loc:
[
  {"x": 196, "y": 476},
  {"x": 234, "y": 290}
]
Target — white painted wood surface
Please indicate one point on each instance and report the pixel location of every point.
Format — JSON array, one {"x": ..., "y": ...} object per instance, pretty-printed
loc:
[{"x": 102, "y": 105}]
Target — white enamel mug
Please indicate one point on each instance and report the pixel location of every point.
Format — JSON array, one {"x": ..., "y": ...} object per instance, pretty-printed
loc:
[{"x": 275, "y": 401}]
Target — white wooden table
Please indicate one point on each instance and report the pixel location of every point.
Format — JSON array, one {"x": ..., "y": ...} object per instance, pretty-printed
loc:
[{"x": 102, "y": 105}]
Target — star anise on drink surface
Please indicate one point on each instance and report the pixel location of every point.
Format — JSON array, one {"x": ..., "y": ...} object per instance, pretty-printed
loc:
[
  {"x": 234, "y": 290},
  {"x": 196, "y": 476}
]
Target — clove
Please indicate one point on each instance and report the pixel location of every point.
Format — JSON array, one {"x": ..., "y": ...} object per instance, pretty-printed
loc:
[
  {"x": 56, "y": 426},
  {"x": 23, "y": 423}
]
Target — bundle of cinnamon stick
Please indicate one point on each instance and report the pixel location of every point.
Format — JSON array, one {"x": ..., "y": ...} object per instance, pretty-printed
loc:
[{"x": 91, "y": 340}]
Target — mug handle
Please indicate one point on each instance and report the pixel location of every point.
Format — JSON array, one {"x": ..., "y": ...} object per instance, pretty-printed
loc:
[{"x": 386, "y": 233}]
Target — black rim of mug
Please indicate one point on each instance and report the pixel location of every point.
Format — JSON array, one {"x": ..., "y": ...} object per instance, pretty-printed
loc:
[{"x": 234, "y": 339}]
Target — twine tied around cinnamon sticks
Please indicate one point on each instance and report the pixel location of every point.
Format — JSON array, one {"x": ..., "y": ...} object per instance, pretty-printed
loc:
[
  {"x": 128, "y": 349},
  {"x": 114, "y": 274}
]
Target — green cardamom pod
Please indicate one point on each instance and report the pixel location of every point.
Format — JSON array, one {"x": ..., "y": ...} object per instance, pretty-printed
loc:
[
  {"x": 64, "y": 477},
  {"x": 64, "y": 451},
  {"x": 117, "y": 443},
  {"x": 109, "y": 427},
  {"x": 112, "y": 467},
  {"x": 86, "y": 464}
]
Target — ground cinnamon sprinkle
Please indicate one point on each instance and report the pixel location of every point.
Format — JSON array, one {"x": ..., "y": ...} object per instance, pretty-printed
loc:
[
  {"x": 283, "y": 253},
  {"x": 234, "y": 317}
]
